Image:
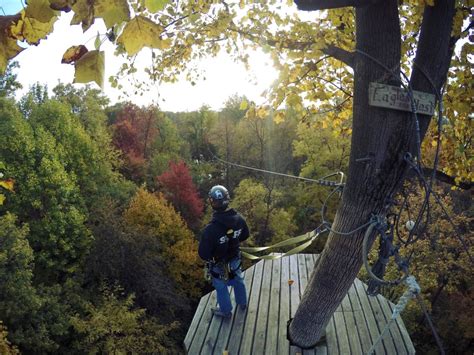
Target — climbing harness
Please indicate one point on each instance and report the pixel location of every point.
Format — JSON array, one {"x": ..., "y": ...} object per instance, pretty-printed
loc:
[{"x": 220, "y": 270}]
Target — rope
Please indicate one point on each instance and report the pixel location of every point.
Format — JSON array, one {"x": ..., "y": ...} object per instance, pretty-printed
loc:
[
  {"x": 412, "y": 291},
  {"x": 430, "y": 323}
]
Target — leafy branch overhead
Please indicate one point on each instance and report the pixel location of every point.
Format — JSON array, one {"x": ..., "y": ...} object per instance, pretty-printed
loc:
[{"x": 315, "y": 58}]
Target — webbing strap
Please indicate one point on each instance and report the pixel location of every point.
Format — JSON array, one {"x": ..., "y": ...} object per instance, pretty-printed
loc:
[{"x": 307, "y": 238}]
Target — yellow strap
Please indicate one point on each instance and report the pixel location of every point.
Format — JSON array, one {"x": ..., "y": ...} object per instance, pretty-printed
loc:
[
  {"x": 290, "y": 241},
  {"x": 295, "y": 250}
]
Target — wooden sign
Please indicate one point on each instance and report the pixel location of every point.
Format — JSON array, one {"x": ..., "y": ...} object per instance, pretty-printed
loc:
[{"x": 396, "y": 98}]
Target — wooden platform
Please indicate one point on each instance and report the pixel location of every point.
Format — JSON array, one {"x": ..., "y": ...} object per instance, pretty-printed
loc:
[{"x": 261, "y": 329}]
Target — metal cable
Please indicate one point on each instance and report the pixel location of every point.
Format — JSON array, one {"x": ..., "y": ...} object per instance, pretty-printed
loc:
[{"x": 322, "y": 181}]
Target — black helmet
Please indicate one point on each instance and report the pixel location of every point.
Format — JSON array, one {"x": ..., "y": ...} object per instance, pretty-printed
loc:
[{"x": 219, "y": 197}]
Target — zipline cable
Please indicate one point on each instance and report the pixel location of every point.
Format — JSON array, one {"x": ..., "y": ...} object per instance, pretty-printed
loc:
[{"x": 322, "y": 181}]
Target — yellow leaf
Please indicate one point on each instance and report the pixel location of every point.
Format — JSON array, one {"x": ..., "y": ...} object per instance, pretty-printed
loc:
[
  {"x": 31, "y": 30},
  {"x": 8, "y": 45},
  {"x": 142, "y": 32},
  {"x": 112, "y": 11},
  {"x": 7, "y": 184},
  {"x": 155, "y": 5},
  {"x": 279, "y": 117},
  {"x": 90, "y": 67},
  {"x": 243, "y": 105},
  {"x": 261, "y": 112},
  {"x": 2, "y": 199}
]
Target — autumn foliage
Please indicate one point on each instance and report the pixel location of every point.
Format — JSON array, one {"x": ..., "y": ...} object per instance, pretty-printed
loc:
[
  {"x": 134, "y": 131},
  {"x": 178, "y": 188},
  {"x": 150, "y": 215}
]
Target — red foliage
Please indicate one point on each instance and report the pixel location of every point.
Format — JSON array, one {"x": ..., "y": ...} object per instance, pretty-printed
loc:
[
  {"x": 134, "y": 131},
  {"x": 179, "y": 189}
]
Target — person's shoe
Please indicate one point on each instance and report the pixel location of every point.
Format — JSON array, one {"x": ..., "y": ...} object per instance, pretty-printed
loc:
[
  {"x": 243, "y": 307},
  {"x": 218, "y": 313}
]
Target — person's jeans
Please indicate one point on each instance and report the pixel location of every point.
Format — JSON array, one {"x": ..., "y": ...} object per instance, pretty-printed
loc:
[{"x": 223, "y": 297}]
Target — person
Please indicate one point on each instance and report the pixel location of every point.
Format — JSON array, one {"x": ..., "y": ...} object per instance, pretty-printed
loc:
[{"x": 219, "y": 247}]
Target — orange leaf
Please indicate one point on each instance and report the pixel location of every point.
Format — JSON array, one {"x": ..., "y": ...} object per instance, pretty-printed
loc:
[
  {"x": 7, "y": 184},
  {"x": 290, "y": 282},
  {"x": 73, "y": 54}
]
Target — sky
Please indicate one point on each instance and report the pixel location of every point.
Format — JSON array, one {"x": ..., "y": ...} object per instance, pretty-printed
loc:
[{"x": 224, "y": 77}]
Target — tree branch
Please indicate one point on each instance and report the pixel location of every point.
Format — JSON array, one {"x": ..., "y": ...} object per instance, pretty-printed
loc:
[
  {"x": 311, "y": 5},
  {"x": 340, "y": 54},
  {"x": 440, "y": 176}
]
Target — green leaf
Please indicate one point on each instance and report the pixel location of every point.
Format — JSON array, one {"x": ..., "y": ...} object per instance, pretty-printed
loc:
[
  {"x": 90, "y": 67},
  {"x": 40, "y": 10},
  {"x": 83, "y": 14},
  {"x": 112, "y": 11},
  {"x": 61, "y": 5},
  {"x": 155, "y": 5},
  {"x": 142, "y": 32}
]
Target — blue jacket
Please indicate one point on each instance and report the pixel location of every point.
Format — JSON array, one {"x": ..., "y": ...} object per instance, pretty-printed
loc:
[{"x": 221, "y": 238}]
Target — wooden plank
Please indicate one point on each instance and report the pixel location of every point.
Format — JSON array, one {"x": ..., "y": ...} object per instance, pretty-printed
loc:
[
  {"x": 382, "y": 322},
  {"x": 273, "y": 331},
  {"x": 341, "y": 331},
  {"x": 203, "y": 327},
  {"x": 303, "y": 277},
  {"x": 249, "y": 329},
  {"x": 236, "y": 332},
  {"x": 196, "y": 320},
  {"x": 331, "y": 337},
  {"x": 351, "y": 328},
  {"x": 283, "y": 343},
  {"x": 238, "y": 318},
  {"x": 310, "y": 264},
  {"x": 403, "y": 331},
  {"x": 394, "y": 331},
  {"x": 369, "y": 316},
  {"x": 225, "y": 329},
  {"x": 294, "y": 294},
  {"x": 263, "y": 307},
  {"x": 360, "y": 320},
  {"x": 310, "y": 261},
  {"x": 212, "y": 334}
]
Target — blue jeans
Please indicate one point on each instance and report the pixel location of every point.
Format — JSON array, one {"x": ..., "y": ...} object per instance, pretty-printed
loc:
[{"x": 223, "y": 297}]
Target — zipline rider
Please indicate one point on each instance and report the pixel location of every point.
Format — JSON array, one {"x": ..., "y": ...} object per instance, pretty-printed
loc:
[{"x": 219, "y": 247}]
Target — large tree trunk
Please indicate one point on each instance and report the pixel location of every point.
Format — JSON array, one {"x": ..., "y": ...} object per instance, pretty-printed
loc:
[{"x": 382, "y": 135}]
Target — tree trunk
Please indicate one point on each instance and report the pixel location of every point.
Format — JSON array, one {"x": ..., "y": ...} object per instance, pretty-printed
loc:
[{"x": 382, "y": 135}]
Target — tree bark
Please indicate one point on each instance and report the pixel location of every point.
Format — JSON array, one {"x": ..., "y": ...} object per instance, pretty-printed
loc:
[{"x": 383, "y": 136}]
